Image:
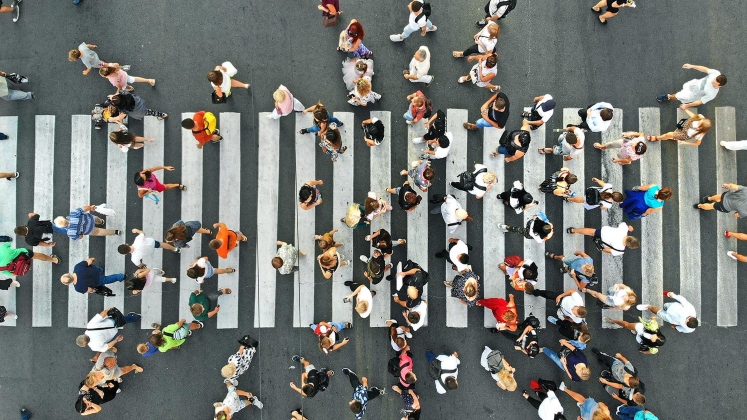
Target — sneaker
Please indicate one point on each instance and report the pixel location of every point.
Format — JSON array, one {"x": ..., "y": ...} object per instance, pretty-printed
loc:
[
  {"x": 665, "y": 293},
  {"x": 429, "y": 83},
  {"x": 494, "y": 330},
  {"x": 396, "y": 38},
  {"x": 641, "y": 307},
  {"x": 117, "y": 232},
  {"x": 200, "y": 323},
  {"x": 381, "y": 391},
  {"x": 433, "y": 28},
  {"x": 662, "y": 98},
  {"x": 303, "y": 131},
  {"x": 527, "y": 114},
  {"x": 134, "y": 314},
  {"x": 732, "y": 254},
  {"x": 561, "y": 387},
  {"x": 503, "y": 227},
  {"x": 551, "y": 319},
  {"x": 178, "y": 250},
  {"x": 3, "y": 136},
  {"x": 296, "y": 358},
  {"x": 248, "y": 341},
  {"x": 481, "y": 23},
  {"x": 364, "y": 259},
  {"x": 367, "y": 238},
  {"x": 704, "y": 200},
  {"x": 155, "y": 326},
  {"x": 347, "y": 371},
  {"x": 596, "y": 351},
  {"x": 119, "y": 390},
  {"x": 126, "y": 67},
  {"x": 727, "y": 234},
  {"x": 17, "y": 11},
  {"x": 256, "y": 402}
]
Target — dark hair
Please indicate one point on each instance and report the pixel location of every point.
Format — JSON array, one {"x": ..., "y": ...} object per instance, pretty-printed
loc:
[
  {"x": 374, "y": 267},
  {"x": 634, "y": 382},
  {"x": 664, "y": 193},
  {"x": 413, "y": 198},
  {"x": 305, "y": 192},
  {"x": 320, "y": 112},
  {"x": 451, "y": 383},
  {"x": 80, "y": 406},
  {"x": 500, "y": 103},
  {"x": 463, "y": 258},
  {"x": 356, "y": 406},
  {"x": 692, "y": 322},
  {"x": 139, "y": 179},
  {"x": 533, "y": 350},
  {"x": 615, "y": 196},
  {"x": 21, "y": 230},
  {"x": 524, "y": 138},
  {"x": 215, "y": 243},
  {"x": 188, "y": 123},
  {"x": 559, "y": 416},
  {"x": 640, "y": 148},
  {"x": 116, "y": 100},
  {"x": 332, "y": 136},
  {"x": 721, "y": 80},
  {"x": 443, "y": 141},
  {"x": 528, "y": 288},
  {"x": 530, "y": 274},
  {"x": 571, "y": 138},
  {"x": 119, "y": 137},
  {"x": 371, "y": 205},
  {"x": 215, "y": 77},
  {"x": 416, "y": 6},
  {"x": 571, "y": 179},
  {"x": 307, "y": 388},
  {"x": 123, "y": 249},
  {"x": 156, "y": 340},
  {"x": 491, "y": 61},
  {"x": 195, "y": 272},
  {"x": 428, "y": 173},
  {"x": 135, "y": 283},
  {"x": 526, "y": 199},
  {"x": 355, "y": 31},
  {"x": 413, "y": 317},
  {"x": 606, "y": 114},
  {"x": 277, "y": 262}
]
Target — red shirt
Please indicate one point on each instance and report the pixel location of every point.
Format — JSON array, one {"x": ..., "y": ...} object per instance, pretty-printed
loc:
[
  {"x": 201, "y": 135},
  {"x": 229, "y": 241}
]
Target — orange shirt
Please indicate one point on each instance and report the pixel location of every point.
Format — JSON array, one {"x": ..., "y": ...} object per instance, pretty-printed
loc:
[
  {"x": 229, "y": 241},
  {"x": 201, "y": 135}
]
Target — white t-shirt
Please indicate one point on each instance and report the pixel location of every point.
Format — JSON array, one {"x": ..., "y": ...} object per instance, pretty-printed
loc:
[
  {"x": 486, "y": 72},
  {"x": 620, "y": 298},
  {"x": 566, "y": 307},
  {"x": 449, "y": 362},
  {"x": 143, "y": 248},
  {"x": 448, "y": 212},
  {"x": 595, "y": 121},
  {"x": 495, "y": 10},
  {"x": 232, "y": 401},
  {"x": 365, "y": 296},
  {"x": 604, "y": 203},
  {"x": 99, "y": 339},
  {"x": 459, "y": 248},
  {"x": 484, "y": 39},
  {"x": 420, "y": 68},
  {"x": 422, "y": 309},
  {"x": 419, "y": 24},
  {"x": 477, "y": 192},
  {"x": 442, "y": 152},
  {"x": 545, "y": 114},
  {"x": 699, "y": 88},
  {"x": 549, "y": 407},
  {"x": 677, "y": 314},
  {"x": 203, "y": 264},
  {"x": 576, "y": 149},
  {"x": 614, "y": 237},
  {"x": 641, "y": 333}
]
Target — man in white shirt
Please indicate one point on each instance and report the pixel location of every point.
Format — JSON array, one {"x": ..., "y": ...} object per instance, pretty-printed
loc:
[
  {"x": 415, "y": 317},
  {"x": 570, "y": 304},
  {"x": 596, "y": 118},
  {"x": 451, "y": 211},
  {"x": 436, "y": 148},
  {"x": 444, "y": 369},
  {"x": 696, "y": 92},
  {"x": 101, "y": 333},
  {"x": 680, "y": 314},
  {"x": 496, "y": 10},
  {"x": 479, "y": 184},
  {"x": 540, "y": 112},
  {"x": 457, "y": 253},
  {"x": 419, "y": 67},
  {"x": 418, "y": 20},
  {"x": 613, "y": 239},
  {"x": 143, "y": 247}
]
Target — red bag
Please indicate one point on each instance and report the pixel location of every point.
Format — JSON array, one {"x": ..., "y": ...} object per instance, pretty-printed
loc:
[
  {"x": 513, "y": 261},
  {"x": 19, "y": 266}
]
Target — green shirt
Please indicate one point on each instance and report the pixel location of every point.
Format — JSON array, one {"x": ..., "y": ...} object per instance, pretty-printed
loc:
[
  {"x": 170, "y": 342},
  {"x": 8, "y": 254},
  {"x": 202, "y": 300}
]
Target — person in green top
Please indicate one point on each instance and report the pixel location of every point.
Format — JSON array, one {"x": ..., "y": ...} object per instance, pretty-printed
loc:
[
  {"x": 204, "y": 306},
  {"x": 172, "y": 336},
  {"x": 8, "y": 254}
]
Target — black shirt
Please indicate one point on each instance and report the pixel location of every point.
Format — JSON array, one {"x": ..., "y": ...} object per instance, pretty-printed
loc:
[
  {"x": 376, "y": 278},
  {"x": 511, "y": 146},
  {"x": 37, "y": 230},
  {"x": 437, "y": 127},
  {"x": 401, "y": 199},
  {"x": 385, "y": 237},
  {"x": 499, "y": 117}
]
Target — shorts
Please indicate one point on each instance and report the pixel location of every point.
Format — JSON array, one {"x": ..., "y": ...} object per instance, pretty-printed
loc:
[
  {"x": 719, "y": 205},
  {"x": 611, "y": 8},
  {"x": 130, "y": 79},
  {"x": 598, "y": 233},
  {"x": 309, "y": 368},
  {"x": 213, "y": 297},
  {"x": 158, "y": 244}
]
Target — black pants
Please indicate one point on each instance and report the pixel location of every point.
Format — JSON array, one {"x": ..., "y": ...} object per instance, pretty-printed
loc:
[
  {"x": 354, "y": 286},
  {"x": 536, "y": 402},
  {"x": 566, "y": 329},
  {"x": 355, "y": 383},
  {"x": 547, "y": 294},
  {"x": 605, "y": 359},
  {"x": 582, "y": 113},
  {"x": 460, "y": 186},
  {"x": 473, "y": 49}
]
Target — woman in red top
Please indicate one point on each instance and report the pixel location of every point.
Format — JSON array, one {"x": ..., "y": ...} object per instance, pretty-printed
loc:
[
  {"x": 418, "y": 107},
  {"x": 504, "y": 312}
]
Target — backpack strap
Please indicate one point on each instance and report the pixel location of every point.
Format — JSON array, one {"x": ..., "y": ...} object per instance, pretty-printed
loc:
[{"x": 440, "y": 374}]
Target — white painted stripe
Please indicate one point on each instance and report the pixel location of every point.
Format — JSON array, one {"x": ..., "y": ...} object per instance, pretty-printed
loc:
[
  {"x": 267, "y": 220},
  {"x": 493, "y": 213},
  {"x": 9, "y": 148},
  {"x": 573, "y": 214},
  {"x": 381, "y": 179},
  {"x": 726, "y": 274},
  {"x": 153, "y": 155},
  {"x": 456, "y": 163},
  {"x": 116, "y": 199},
  {"x": 303, "y": 279},
  {"x": 612, "y": 267},
  {"x": 80, "y": 195},
  {"x": 230, "y": 214},
  {"x": 689, "y": 220},
  {"x": 533, "y": 177},
  {"x": 191, "y": 210},
  {"x": 343, "y": 174},
  {"x": 417, "y": 220},
  {"x": 43, "y": 205},
  {"x": 652, "y": 246}
]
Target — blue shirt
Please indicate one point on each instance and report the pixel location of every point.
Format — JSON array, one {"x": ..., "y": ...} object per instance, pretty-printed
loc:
[
  {"x": 361, "y": 394},
  {"x": 80, "y": 223},
  {"x": 151, "y": 350},
  {"x": 88, "y": 276},
  {"x": 588, "y": 408}
]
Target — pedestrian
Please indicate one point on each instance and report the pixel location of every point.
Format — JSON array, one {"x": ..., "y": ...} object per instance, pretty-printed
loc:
[
  {"x": 415, "y": 317},
  {"x": 421, "y": 173},
  {"x": 89, "y": 401},
  {"x": 323, "y": 120},
  {"x": 373, "y": 131},
  {"x": 435, "y": 124},
  {"x": 376, "y": 266},
  {"x": 361, "y": 393},
  {"x": 106, "y": 369},
  {"x": 363, "y": 298},
  {"x": 181, "y": 233},
  {"x": 570, "y": 304},
  {"x": 221, "y": 79},
  {"x": 6, "y": 92},
  {"x": 570, "y": 144},
  {"x": 482, "y": 73},
  {"x": 548, "y": 405},
  {"x": 328, "y": 333},
  {"x": 444, "y": 369},
  {"x": 201, "y": 269},
  {"x": 417, "y": 110},
  {"x": 101, "y": 331},
  {"x": 680, "y": 314},
  {"x": 330, "y": 11},
  {"x": 517, "y": 198},
  {"x": 13, "y": 8},
  {"x": 143, "y": 248},
  {"x": 570, "y": 359},
  {"x": 493, "y": 113},
  {"x": 590, "y": 408},
  {"x": 309, "y": 195},
  {"x": 354, "y": 69},
  {"x": 285, "y": 103},
  {"x": 608, "y": 239},
  {"x": 599, "y": 196},
  {"x": 126, "y": 140},
  {"x": 286, "y": 259},
  {"x": 521, "y": 273},
  {"x": 647, "y": 333},
  {"x": 538, "y": 228},
  {"x": 129, "y": 105},
  {"x": 504, "y": 312},
  {"x": 5, "y": 313},
  {"x": 226, "y": 240},
  {"x": 375, "y": 206},
  {"x": 496, "y": 10},
  {"x": 620, "y": 380},
  {"x": 205, "y": 305},
  {"x": 36, "y": 230},
  {"x": 632, "y": 147},
  {"x": 451, "y": 211},
  {"x": 81, "y": 222},
  {"x": 204, "y": 128},
  {"x": 559, "y": 183},
  {"x": 571, "y": 330},
  {"x": 420, "y": 65},
  {"x": 477, "y": 182},
  {"x": 437, "y": 148},
  {"x": 539, "y": 113},
  {"x": 526, "y": 342},
  {"x": 86, "y": 54},
  {"x": 351, "y": 40},
  {"x": 121, "y": 80},
  {"x": 409, "y": 284},
  {"x": 733, "y": 199},
  {"x": 643, "y": 200},
  {"x": 580, "y": 267},
  {"x": 327, "y": 240},
  {"x": 613, "y": 8},
  {"x": 627, "y": 412},
  {"x": 485, "y": 41},
  {"x": 457, "y": 253},
  {"x": 690, "y": 131},
  {"x": 331, "y": 144},
  {"x": 407, "y": 198},
  {"x": 697, "y": 92},
  {"x": 465, "y": 287},
  {"x": 595, "y": 118},
  {"x": 419, "y": 19},
  {"x": 148, "y": 183},
  {"x": 88, "y": 278},
  {"x": 233, "y": 403},
  {"x": 398, "y": 335},
  {"x": 354, "y": 217},
  {"x": 239, "y": 362},
  {"x": 173, "y": 335},
  {"x": 500, "y": 370},
  {"x": 312, "y": 380},
  {"x": 514, "y": 145},
  {"x": 362, "y": 94},
  {"x": 330, "y": 260},
  {"x": 411, "y": 401},
  {"x": 404, "y": 369},
  {"x": 144, "y": 277}
]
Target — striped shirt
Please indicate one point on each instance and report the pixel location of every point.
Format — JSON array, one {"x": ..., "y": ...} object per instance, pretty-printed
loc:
[{"x": 80, "y": 223}]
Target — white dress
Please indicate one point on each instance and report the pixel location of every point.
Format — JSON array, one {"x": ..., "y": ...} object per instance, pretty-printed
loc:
[{"x": 349, "y": 74}]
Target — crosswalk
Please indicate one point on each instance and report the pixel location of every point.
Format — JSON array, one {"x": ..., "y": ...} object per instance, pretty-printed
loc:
[{"x": 339, "y": 194}]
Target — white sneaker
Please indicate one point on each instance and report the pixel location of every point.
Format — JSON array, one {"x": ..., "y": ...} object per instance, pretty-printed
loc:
[
  {"x": 641, "y": 307},
  {"x": 562, "y": 386},
  {"x": 396, "y": 38},
  {"x": 173, "y": 280},
  {"x": 433, "y": 28},
  {"x": 364, "y": 259},
  {"x": 408, "y": 335},
  {"x": 732, "y": 254},
  {"x": 257, "y": 403},
  {"x": 368, "y": 238},
  {"x": 503, "y": 227}
]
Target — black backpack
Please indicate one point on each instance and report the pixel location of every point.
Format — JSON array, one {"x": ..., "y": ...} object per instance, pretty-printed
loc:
[
  {"x": 511, "y": 4},
  {"x": 467, "y": 179},
  {"x": 424, "y": 11},
  {"x": 374, "y": 131},
  {"x": 495, "y": 361},
  {"x": 394, "y": 368},
  {"x": 593, "y": 196}
]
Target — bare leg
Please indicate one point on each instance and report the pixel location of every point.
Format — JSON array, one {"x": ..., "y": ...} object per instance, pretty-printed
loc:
[
  {"x": 740, "y": 257},
  {"x": 575, "y": 395},
  {"x": 739, "y": 236},
  {"x": 579, "y": 200},
  {"x": 236, "y": 83},
  {"x": 584, "y": 231},
  {"x": 44, "y": 257},
  {"x": 10, "y": 175},
  {"x": 101, "y": 232},
  {"x": 151, "y": 82},
  {"x": 597, "y": 295},
  {"x": 130, "y": 368},
  {"x": 203, "y": 230},
  {"x": 666, "y": 136},
  {"x": 171, "y": 186},
  {"x": 224, "y": 270},
  {"x": 6, "y": 9},
  {"x": 164, "y": 245}
]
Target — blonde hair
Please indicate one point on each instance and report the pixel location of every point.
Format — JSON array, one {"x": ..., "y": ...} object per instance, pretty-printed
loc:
[
  {"x": 60, "y": 221},
  {"x": 66, "y": 279},
  {"x": 600, "y": 415},
  {"x": 197, "y": 309},
  {"x": 91, "y": 380},
  {"x": 361, "y": 306},
  {"x": 507, "y": 379},
  {"x": 588, "y": 269},
  {"x": 228, "y": 370},
  {"x": 704, "y": 125},
  {"x": 631, "y": 298},
  {"x": 488, "y": 178},
  {"x": 363, "y": 86},
  {"x": 73, "y": 55},
  {"x": 142, "y": 348},
  {"x": 494, "y": 30},
  {"x": 278, "y": 95}
]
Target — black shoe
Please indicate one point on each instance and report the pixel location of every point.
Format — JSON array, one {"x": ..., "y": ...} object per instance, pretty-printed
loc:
[
  {"x": 117, "y": 232},
  {"x": 341, "y": 124},
  {"x": 596, "y": 351},
  {"x": 526, "y": 114},
  {"x": 134, "y": 313},
  {"x": 390, "y": 277},
  {"x": 705, "y": 200},
  {"x": 247, "y": 341},
  {"x": 348, "y": 283},
  {"x": 494, "y": 330},
  {"x": 303, "y": 131},
  {"x": 481, "y": 23},
  {"x": 606, "y": 374}
]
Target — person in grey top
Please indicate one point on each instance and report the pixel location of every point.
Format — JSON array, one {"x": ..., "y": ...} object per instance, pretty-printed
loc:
[
  {"x": 286, "y": 260},
  {"x": 734, "y": 199},
  {"x": 89, "y": 58},
  {"x": 9, "y": 94}
]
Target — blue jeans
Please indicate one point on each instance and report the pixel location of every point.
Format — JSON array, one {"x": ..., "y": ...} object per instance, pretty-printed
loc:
[
  {"x": 26, "y": 416},
  {"x": 431, "y": 357},
  {"x": 481, "y": 123},
  {"x": 132, "y": 318},
  {"x": 502, "y": 150},
  {"x": 339, "y": 325},
  {"x": 16, "y": 95},
  {"x": 626, "y": 412},
  {"x": 408, "y": 116},
  {"x": 407, "y": 31},
  {"x": 111, "y": 278},
  {"x": 316, "y": 128},
  {"x": 554, "y": 357}
]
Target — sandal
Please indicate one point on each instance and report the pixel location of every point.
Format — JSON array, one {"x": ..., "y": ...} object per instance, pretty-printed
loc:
[
  {"x": 348, "y": 325},
  {"x": 599, "y": 146},
  {"x": 182, "y": 187},
  {"x": 227, "y": 291},
  {"x": 569, "y": 230},
  {"x": 565, "y": 269},
  {"x": 550, "y": 255},
  {"x": 494, "y": 154},
  {"x": 230, "y": 270},
  {"x": 162, "y": 117},
  {"x": 595, "y": 10},
  {"x": 56, "y": 257},
  {"x": 542, "y": 151},
  {"x": 463, "y": 79},
  {"x": 604, "y": 22},
  {"x": 652, "y": 138},
  {"x": 457, "y": 54},
  {"x": 405, "y": 72}
]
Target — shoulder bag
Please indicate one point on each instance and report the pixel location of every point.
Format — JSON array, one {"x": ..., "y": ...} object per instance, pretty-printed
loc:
[{"x": 331, "y": 18}]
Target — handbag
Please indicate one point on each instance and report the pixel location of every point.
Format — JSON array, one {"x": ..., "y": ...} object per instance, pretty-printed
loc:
[
  {"x": 681, "y": 123},
  {"x": 116, "y": 315},
  {"x": 19, "y": 266},
  {"x": 218, "y": 99},
  {"x": 104, "y": 291},
  {"x": 332, "y": 18},
  {"x": 343, "y": 43}
]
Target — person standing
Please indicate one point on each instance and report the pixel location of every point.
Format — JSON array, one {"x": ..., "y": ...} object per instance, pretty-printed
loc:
[
  {"x": 239, "y": 362},
  {"x": 611, "y": 240},
  {"x": 86, "y": 54},
  {"x": 221, "y": 79},
  {"x": 632, "y": 147},
  {"x": 444, "y": 369},
  {"x": 419, "y": 19},
  {"x": 147, "y": 182},
  {"x": 734, "y": 199},
  {"x": 81, "y": 222},
  {"x": 680, "y": 314},
  {"x": 142, "y": 248},
  {"x": 226, "y": 240},
  {"x": 285, "y": 103},
  {"x": 87, "y": 278},
  {"x": 493, "y": 113},
  {"x": 539, "y": 113},
  {"x": 101, "y": 331},
  {"x": 596, "y": 118},
  {"x": 204, "y": 306},
  {"x": 697, "y": 92},
  {"x": 286, "y": 259},
  {"x": 420, "y": 64},
  {"x": 35, "y": 230},
  {"x": 361, "y": 393},
  {"x": 204, "y": 128},
  {"x": 570, "y": 144},
  {"x": 9, "y": 94},
  {"x": 312, "y": 380},
  {"x": 514, "y": 145}
]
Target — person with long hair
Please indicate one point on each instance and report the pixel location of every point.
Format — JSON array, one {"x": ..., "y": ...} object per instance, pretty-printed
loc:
[
  {"x": 351, "y": 40},
  {"x": 689, "y": 132},
  {"x": 485, "y": 41},
  {"x": 90, "y": 400},
  {"x": 144, "y": 277},
  {"x": 330, "y": 260},
  {"x": 126, "y": 140},
  {"x": 147, "y": 182},
  {"x": 121, "y": 80},
  {"x": 130, "y": 105},
  {"x": 354, "y": 69},
  {"x": 181, "y": 233},
  {"x": 323, "y": 120},
  {"x": 331, "y": 144},
  {"x": 201, "y": 269},
  {"x": 482, "y": 73},
  {"x": 644, "y": 200},
  {"x": 221, "y": 79},
  {"x": 362, "y": 95},
  {"x": 613, "y": 8}
]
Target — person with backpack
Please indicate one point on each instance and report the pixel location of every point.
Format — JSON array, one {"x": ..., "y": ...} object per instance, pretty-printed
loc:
[
  {"x": 643, "y": 200},
  {"x": 417, "y": 71},
  {"x": 476, "y": 182},
  {"x": 608, "y": 239},
  {"x": 517, "y": 198},
  {"x": 444, "y": 369},
  {"x": 570, "y": 144},
  {"x": 647, "y": 333},
  {"x": 173, "y": 335},
  {"x": 514, "y": 145},
  {"x": 496, "y": 10},
  {"x": 580, "y": 267},
  {"x": 559, "y": 183},
  {"x": 690, "y": 131},
  {"x": 17, "y": 261},
  {"x": 548, "y": 405},
  {"x": 493, "y": 113},
  {"x": 420, "y": 13},
  {"x": 539, "y": 113},
  {"x": 102, "y": 330},
  {"x": 312, "y": 380},
  {"x": 598, "y": 196},
  {"x": 407, "y": 198},
  {"x": 538, "y": 228},
  {"x": 373, "y": 131},
  {"x": 482, "y": 73},
  {"x": 485, "y": 41},
  {"x": 500, "y": 370},
  {"x": 526, "y": 342}
]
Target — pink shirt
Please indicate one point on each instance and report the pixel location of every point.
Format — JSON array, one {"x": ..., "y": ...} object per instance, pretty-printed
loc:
[
  {"x": 286, "y": 106},
  {"x": 627, "y": 151},
  {"x": 118, "y": 79}
]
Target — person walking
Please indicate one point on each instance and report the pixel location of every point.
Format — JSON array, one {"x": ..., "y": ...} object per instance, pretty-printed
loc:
[
  {"x": 205, "y": 305},
  {"x": 101, "y": 331},
  {"x": 35, "y": 231},
  {"x": 173, "y": 335},
  {"x": 361, "y": 393},
  {"x": 81, "y": 222},
  {"x": 570, "y": 304},
  {"x": 239, "y": 362},
  {"x": 121, "y": 80},
  {"x": 126, "y": 140},
  {"x": 571, "y": 359},
  {"x": 148, "y": 183},
  {"x": 539, "y": 113},
  {"x": 444, "y": 369},
  {"x": 599, "y": 196},
  {"x": 421, "y": 173},
  {"x": 436, "y": 149},
  {"x": 106, "y": 369},
  {"x": 417, "y": 109},
  {"x": 451, "y": 211},
  {"x": 631, "y": 147},
  {"x": 285, "y": 103},
  {"x": 204, "y": 128},
  {"x": 309, "y": 195},
  {"x": 647, "y": 333},
  {"x": 734, "y": 199},
  {"x": 457, "y": 253},
  {"x": 493, "y": 113},
  {"x": 596, "y": 118},
  {"x": 420, "y": 65},
  {"x": 613, "y": 8},
  {"x": 143, "y": 248},
  {"x": 233, "y": 403},
  {"x": 181, "y": 233},
  {"x": 88, "y": 278},
  {"x": 681, "y": 314},
  {"x": 144, "y": 277},
  {"x": 411, "y": 400},
  {"x": 419, "y": 19},
  {"x": 570, "y": 144},
  {"x": 201, "y": 269},
  {"x": 690, "y": 131},
  {"x": 477, "y": 182},
  {"x": 521, "y": 273},
  {"x": 86, "y": 54},
  {"x": 611, "y": 240},
  {"x": 500, "y": 370},
  {"x": 363, "y": 298},
  {"x": 620, "y": 380},
  {"x": 697, "y": 92},
  {"x": 526, "y": 342},
  {"x": 328, "y": 333},
  {"x": 330, "y": 260},
  {"x": 465, "y": 287},
  {"x": 327, "y": 240},
  {"x": 407, "y": 198},
  {"x": 362, "y": 95},
  {"x": 376, "y": 266},
  {"x": 485, "y": 41},
  {"x": 351, "y": 41},
  {"x": 286, "y": 259},
  {"x": 538, "y": 228},
  {"x": 226, "y": 240},
  {"x": 482, "y": 73},
  {"x": 559, "y": 183},
  {"x": 409, "y": 284},
  {"x": 373, "y": 131},
  {"x": 580, "y": 267},
  {"x": 643, "y": 200},
  {"x": 9, "y": 94},
  {"x": 331, "y": 144},
  {"x": 590, "y": 408},
  {"x": 496, "y": 10},
  {"x": 548, "y": 405},
  {"x": 517, "y": 198},
  {"x": 514, "y": 145},
  {"x": 221, "y": 79},
  {"x": 129, "y": 105},
  {"x": 504, "y": 312},
  {"x": 312, "y": 380},
  {"x": 354, "y": 69}
]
